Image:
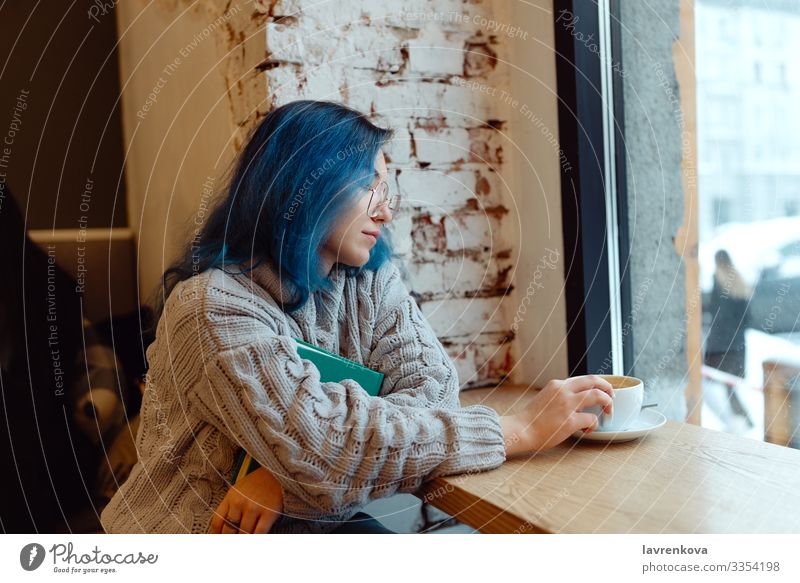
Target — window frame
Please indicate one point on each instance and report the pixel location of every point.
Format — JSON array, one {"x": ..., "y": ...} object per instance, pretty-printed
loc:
[{"x": 591, "y": 128}]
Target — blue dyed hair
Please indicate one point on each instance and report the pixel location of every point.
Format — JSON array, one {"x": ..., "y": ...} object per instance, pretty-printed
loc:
[{"x": 304, "y": 166}]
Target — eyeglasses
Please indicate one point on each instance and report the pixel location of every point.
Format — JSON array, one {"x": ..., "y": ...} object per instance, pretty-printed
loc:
[{"x": 382, "y": 198}]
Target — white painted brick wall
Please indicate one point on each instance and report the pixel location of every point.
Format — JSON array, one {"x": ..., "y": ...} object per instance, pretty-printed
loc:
[
  {"x": 435, "y": 72},
  {"x": 458, "y": 276},
  {"x": 446, "y": 190},
  {"x": 435, "y": 52},
  {"x": 472, "y": 230},
  {"x": 442, "y": 146},
  {"x": 462, "y": 318},
  {"x": 398, "y": 151}
]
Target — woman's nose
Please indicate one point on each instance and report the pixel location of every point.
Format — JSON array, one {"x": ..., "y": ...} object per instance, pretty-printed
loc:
[{"x": 384, "y": 214}]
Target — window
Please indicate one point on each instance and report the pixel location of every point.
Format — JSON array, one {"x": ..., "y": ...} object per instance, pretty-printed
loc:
[
  {"x": 749, "y": 251},
  {"x": 722, "y": 211}
]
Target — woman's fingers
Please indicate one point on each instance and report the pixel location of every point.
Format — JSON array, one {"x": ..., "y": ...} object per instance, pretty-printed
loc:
[
  {"x": 594, "y": 397},
  {"x": 232, "y": 520},
  {"x": 249, "y": 519},
  {"x": 586, "y": 382},
  {"x": 217, "y": 519},
  {"x": 264, "y": 523},
  {"x": 586, "y": 421}
]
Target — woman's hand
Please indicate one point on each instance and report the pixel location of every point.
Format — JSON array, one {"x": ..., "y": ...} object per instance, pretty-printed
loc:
[
  {"x": 555, "y": 413},
  {"x": 251, "y": 506}
]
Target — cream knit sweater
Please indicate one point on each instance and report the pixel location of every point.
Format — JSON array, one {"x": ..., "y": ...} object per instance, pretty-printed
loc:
[{"x": 224, "y": 373}]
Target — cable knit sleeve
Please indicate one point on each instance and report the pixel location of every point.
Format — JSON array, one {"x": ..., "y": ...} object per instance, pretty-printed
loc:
[
  {"x": 331, "y": 445},
  {"x": 418, "y": 372}
]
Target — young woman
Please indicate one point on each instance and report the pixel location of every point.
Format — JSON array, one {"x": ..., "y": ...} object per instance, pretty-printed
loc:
[
  {"x": 298, "y": 248},
  {"x": 725, "y": 347}
]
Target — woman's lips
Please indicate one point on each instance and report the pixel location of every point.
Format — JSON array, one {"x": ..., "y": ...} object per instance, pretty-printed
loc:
[{"x": 372, "y": 236}]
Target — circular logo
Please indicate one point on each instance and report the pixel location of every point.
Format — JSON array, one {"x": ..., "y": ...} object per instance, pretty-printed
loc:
[{"x": 31, "y": 556}]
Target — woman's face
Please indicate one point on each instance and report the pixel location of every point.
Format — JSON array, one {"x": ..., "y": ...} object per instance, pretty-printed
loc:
[{"x": 349, "y": 242}]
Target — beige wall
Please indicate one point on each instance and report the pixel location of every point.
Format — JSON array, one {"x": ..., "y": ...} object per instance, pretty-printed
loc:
[
  {"x": 190, "y": 91},
  {"x": 534, "y": 156}
]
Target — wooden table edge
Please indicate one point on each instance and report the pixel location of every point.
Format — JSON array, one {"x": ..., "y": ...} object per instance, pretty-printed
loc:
[{"x": 480, "y": 514}]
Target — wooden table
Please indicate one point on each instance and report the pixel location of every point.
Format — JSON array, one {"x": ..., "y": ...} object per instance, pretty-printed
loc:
[{"x": 679, "y": 479}]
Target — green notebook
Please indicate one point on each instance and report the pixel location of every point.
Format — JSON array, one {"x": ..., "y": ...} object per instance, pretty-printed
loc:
[{"x": 332, "y": 368}]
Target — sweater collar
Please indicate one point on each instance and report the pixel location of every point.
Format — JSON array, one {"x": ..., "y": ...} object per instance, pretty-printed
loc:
[{"x": 267, "y": 276}]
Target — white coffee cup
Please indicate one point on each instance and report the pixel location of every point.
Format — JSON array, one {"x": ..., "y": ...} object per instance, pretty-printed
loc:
[{"x": 626, "y": 406}]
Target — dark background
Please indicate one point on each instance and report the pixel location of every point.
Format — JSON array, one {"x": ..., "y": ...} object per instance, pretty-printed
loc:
[{"x": 71, "y": 129}]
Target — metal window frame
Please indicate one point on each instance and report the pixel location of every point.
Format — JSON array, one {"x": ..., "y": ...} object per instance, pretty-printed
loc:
[{"x": 593, "y": 187}]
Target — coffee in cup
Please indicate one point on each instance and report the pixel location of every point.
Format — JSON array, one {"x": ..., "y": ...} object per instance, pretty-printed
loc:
[{"x": 626, "y": 406}]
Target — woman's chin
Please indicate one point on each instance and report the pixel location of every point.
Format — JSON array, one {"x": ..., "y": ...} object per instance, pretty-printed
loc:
[
  {"x": 363, "y": 260},
  {"x": 359, "y": 261}
]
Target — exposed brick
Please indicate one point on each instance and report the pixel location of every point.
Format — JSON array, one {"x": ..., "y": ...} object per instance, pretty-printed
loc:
[
  {"x": 461, "y": 276},
  {"x": 359, "y": 45},
  {"x": 497, "y": 360},
  {"x": 316, "y": 12},
  {"x": 469, "y": 230},
  {"x": 486, "y": 145},
  {"x": 450, "y": 15},
  {"x": 285, "y": 43},
  {"x": 453, "y": 104},
  {"x": 442, "y": 146},
  {"x": 464, "y": 361},
  {"x": 435, "y": 52},
  {"x": 401, "y": 227},
  {"x": 491, "y": 188},
  {"x": 398, "y": 150},
  {"x": 443, "y": 191},
  {"x": 427, "y": 233},
  {"x": 479, "y": 59},
  {"x": 463, "y": 317},
  {"x": 484, "y": 362},
  {"x": 434, "y": 189}
]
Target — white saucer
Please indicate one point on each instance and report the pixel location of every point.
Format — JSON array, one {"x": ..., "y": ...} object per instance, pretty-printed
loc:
[{"x": 649, "y": 420}]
